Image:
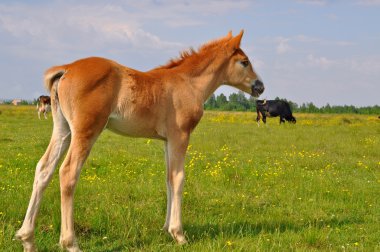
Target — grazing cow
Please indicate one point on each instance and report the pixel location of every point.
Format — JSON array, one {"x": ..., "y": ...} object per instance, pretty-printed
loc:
[
  {"x": 273, "y": 108},
  {"x": 43, "y": 105},
  {"x": 166, "y": 103}
]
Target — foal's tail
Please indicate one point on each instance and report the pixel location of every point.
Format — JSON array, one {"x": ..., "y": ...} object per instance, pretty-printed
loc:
[
  {"x": 51, "y": 79},
  {"x": 52, "y": 75}
]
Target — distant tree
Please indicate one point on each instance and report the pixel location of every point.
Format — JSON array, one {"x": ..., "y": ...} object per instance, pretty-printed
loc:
[
  {"x": 242, "y": 99},
  {"x": 233, "y": 103},
  {"x": 221, "y": 101},
  {"x": 239, "y": 102},
  {"x": 252, "y": 103},
  {"x": 25, "y": 102},
  {"x": 211, "y": 103},
  {"x": 326, "y": 109}
]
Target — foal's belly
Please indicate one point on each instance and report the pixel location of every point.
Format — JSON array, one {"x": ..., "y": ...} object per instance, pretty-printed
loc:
[{"x": 134, "y": 127}]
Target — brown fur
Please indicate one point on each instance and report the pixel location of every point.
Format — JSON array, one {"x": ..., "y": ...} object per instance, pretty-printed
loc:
[{"x": 166, "y": 102}]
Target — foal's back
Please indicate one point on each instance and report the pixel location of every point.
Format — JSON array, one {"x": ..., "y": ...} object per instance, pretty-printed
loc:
[{"x": 124, "y": 100}]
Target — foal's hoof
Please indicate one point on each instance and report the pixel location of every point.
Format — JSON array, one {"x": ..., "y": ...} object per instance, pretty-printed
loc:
[
  {"x": 181, "y": 240},
  {"x": 73, "y": 249},
  {"x": 27, "y": 240},
  {"x": 165, "y": 228},
  {"x": 178, "y": 237},
  {"x": 69, "y": 245}
]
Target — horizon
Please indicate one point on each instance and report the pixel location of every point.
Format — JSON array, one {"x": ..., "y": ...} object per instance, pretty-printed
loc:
[
  {"x": 319, "y": 51},
  {"x": 298, "y": 104}
]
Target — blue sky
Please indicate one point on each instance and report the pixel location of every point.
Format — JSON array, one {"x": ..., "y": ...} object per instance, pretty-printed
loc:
[{"x": 320, "y": 51}]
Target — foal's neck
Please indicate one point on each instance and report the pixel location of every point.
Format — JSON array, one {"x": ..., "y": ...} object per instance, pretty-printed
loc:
[{"x": 209, "y": 79}]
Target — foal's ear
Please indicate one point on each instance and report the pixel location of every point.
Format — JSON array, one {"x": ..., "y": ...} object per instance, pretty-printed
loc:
[
  {"x": 234, "y": 43},
  {"x": 229, "y": 35}
]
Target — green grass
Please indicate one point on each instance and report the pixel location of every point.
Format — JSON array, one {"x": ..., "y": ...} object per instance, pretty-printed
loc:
[{"x": 313, "y": 186}]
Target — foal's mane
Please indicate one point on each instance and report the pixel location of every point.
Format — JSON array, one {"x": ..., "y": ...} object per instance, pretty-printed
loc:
[{"x": 205, "y": 50}]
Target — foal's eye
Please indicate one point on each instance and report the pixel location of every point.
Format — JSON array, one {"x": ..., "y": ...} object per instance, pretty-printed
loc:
[{"x": 245, "y": 63}]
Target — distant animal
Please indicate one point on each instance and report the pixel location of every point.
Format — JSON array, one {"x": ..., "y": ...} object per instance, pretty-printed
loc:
[
  {"x": 273, "y": 108},
  {"x": 166, "y": 103},
  {"x": 43, "y": 105}
]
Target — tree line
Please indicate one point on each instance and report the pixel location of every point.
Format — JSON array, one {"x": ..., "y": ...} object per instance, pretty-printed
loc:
[
  {"x": 22, "y": 102},
  {"x": 239, "y": 102}
]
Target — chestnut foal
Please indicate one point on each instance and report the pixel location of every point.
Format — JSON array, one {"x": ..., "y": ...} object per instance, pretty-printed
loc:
[{"x": 164, "y": 103}]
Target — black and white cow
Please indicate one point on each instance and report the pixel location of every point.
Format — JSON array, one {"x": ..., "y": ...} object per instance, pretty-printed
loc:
[{"x": 273, "y": 108}]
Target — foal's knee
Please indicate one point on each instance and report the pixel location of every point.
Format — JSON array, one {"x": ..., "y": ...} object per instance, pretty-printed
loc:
[{"x": 67, "y": 187}]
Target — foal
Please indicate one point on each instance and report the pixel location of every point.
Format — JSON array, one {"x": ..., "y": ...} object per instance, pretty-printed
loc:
[{"x": 165, "y": 103}]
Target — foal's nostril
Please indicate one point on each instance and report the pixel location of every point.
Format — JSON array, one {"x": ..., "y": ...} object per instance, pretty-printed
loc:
[{"x": 259, "y": 86}]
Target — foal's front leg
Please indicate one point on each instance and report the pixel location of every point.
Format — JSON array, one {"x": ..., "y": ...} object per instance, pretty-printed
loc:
[
  {"x": 176, "y": 147},
  {"x": 168, "y": 190}
]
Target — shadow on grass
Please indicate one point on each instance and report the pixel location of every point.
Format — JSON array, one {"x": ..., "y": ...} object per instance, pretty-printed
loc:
[
  {"x": 249, "y": 229},
  {"x": 243, "y": 229},
  {"x": 6, "y": 140}
]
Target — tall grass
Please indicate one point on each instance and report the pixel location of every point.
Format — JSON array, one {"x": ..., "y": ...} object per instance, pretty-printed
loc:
[{"x": 305, "y": 187}]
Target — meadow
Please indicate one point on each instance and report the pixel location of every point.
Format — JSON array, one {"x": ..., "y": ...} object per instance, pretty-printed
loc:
[{"x": 313, "y": 186}]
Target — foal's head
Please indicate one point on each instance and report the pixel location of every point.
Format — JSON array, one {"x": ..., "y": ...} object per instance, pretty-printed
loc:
[{"x": 240, "y": 72}]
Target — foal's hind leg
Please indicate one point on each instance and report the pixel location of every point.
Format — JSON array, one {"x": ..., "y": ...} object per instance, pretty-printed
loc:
[
  {"x": 45, "y": 168},
  {"x": 68, "y": 177},
  {"x": 83, "y": 137}
]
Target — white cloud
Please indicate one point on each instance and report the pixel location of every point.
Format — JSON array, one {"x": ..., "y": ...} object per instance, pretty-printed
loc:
[
  {"x": 182, "y": 13},
  {"x": 62, "y": 26},
  {"x": 332, "y": 16},
  {"x": 103, "y": 25},
  {"x": 314, "y": 2},
  {"x": 282, "y": 45},
  {"x": 365, "y": 66},
  {"x": 368, "y": 2},
  {"x": 307, "y": 39},
  {"x": 321, "y": 62}
]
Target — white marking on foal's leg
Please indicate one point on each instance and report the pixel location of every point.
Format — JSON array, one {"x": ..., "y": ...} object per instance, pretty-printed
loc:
[
  {"x": 176, "y": 152},
  {"x": 168, "y": 191},
  {"x": 44, "y": 171},
  {"x": 175, "y": 226}
]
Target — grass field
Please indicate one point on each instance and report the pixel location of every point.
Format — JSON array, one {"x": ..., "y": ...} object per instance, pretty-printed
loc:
[{"x": 313, "y": 186}]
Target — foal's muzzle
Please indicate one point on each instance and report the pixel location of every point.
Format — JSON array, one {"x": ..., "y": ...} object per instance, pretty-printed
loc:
[{"x": 257, "y": 88}]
